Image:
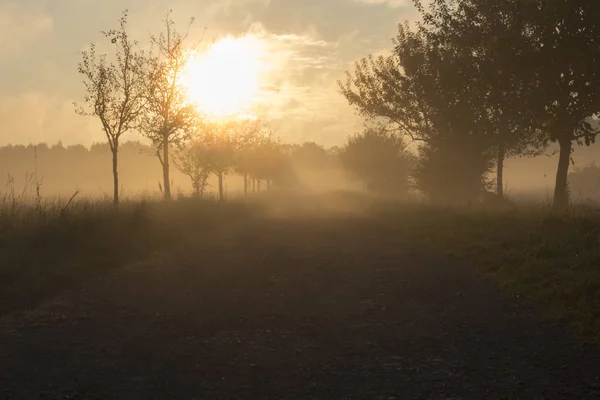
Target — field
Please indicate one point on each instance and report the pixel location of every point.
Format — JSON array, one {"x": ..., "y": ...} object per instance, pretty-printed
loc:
[{"x": 321, "y": 296}]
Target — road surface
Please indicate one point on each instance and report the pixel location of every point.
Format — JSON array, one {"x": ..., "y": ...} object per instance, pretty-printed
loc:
[{"x": 293, "y": 308}]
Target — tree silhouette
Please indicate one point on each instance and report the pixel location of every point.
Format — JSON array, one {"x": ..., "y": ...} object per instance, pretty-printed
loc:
[
  {"x": 380, "y": 159},
  {"x": 424, "y": 88},
  {"x": 496, "y": 85},
  {"x": 250, "y": 134},
  {"x": 550, "y": 50},
  {"x": 169, "y": 117},
  {"x": 114, "y": 90},
  {"x": 220, "y": 141},
  {"x": 453, "y": 169},
  {"x": 194, "y": 160},
  {"x": 268, "y": 162}
]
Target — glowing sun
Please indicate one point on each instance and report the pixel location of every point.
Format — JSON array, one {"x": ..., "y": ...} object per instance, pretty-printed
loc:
[{"x": 226, "y": 80}]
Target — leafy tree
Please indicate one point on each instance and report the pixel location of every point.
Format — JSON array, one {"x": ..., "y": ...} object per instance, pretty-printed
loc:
[
  {"x": 193, "y": 159},
  {"x": 481, "y": 42},
  {"x": 380, "y": 159},
  {"x": 310, "y": 155},
  {"x": 170, "y": 117},
  {"x": 250, "y": 134},
  {"x": 424, "y": 88},
  {"x": 220, "y": 142},
  {"x": 114, "y": 90},
  {"x": 268, "y": 162},
  {"x": 549, "y": 49},
  {"x": 448, "y": 171}
]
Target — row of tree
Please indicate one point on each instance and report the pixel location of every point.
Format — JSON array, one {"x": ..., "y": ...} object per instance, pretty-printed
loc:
[
  {"x": 140, "y": 90},
  {"x": 377, "y": 158},
  {"x": 477, "y": 81}
]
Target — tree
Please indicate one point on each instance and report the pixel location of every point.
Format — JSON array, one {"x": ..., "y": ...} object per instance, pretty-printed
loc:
[
  {"x": 170, "y": 117},
  {"x": 311, "y": 155},
  {"x": 114, "y": 90},
  {"x": 453, "y": 170},
  {"x": 249, "y": 136},
  {"x": 551, "y": 52},
  {"x": 481, "y": 42},
  {"x": 268, "y": 162},
  {"x": 567, "y": 50},
  {"x": 219, "y": 138},
  {"x": 380, "y": 159},
  {"x": 425, "y": 89},
  {"x": 193, "y": 159}
]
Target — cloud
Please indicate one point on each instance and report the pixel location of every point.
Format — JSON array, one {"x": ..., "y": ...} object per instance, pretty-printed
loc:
[
  {"x": 33, "y": 116},
  {"x": 389, "y": 3},
  {"x": 20, "y": 26}
]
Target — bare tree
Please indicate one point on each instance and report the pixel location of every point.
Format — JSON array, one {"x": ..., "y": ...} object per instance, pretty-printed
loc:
[
  {"x": 114, "y": 90},
  {"x": 170, "y": 116}
]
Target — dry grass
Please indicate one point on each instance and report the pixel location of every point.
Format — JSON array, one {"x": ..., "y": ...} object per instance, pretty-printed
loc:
[{"x": 49, "y": 245}]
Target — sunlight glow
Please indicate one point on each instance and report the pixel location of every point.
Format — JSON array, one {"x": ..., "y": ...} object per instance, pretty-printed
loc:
[{"x": 226, "y": 80}]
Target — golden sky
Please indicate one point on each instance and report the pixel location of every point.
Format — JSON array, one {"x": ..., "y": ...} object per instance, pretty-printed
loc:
[{"x": 310, "y": 45}]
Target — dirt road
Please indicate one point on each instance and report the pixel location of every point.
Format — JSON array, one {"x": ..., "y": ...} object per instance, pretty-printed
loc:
[{"x": 306, "y": 308}]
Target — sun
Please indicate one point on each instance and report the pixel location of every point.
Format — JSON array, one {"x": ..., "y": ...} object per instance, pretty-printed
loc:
[{"x": 226, "y": 80}]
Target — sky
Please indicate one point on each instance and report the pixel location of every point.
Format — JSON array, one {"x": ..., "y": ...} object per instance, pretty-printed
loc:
[{"x": 314, "y": 42}]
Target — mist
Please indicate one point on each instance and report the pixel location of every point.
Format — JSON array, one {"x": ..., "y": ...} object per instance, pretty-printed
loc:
[{"x": 300, "y": 199}]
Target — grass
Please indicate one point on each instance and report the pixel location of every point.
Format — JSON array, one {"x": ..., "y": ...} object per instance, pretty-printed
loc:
[
  {"x": 49, "y": 246},
  {"x": 553, "y": 261}
]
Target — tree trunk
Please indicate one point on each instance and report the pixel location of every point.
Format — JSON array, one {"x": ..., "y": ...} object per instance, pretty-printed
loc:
[
  {"x": 258, "y": 186},
  {"x": 115, "y": 169},
  {"x": 221, "y": 196},
  {"x": 500, "y": 171},
  {"x": 246, "y": 186},
  {"x": 197, "y": 190},
  {"x": 253, "y": 185},
  {"x": 561, "y": 195},
  {"x": 167, "y": 182}
]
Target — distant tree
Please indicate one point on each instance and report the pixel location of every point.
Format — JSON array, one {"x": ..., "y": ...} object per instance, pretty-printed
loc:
[
  {"x": 250, "y": 134},
  {"x": 220, "y": 141},
  {"x": 380, "y": 158},
  {"x": 193, "y": 159},
  {"x": 310, "y": 155},
  {"x": 269, "y": 163},
  {"x": 114, "y": 90},
  {"x": 585, "y": 182},
  {"x": 169, "y": 117}
]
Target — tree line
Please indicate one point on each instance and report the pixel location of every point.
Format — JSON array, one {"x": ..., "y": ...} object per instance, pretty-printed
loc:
[
  {"x": 139, "y": 90},
  {"x": 376, "y": 160},
  {"x": 475, "y": 82}
]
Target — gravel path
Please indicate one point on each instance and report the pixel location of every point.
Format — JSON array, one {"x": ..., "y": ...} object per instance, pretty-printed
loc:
[{"x": 307, "y": 308}]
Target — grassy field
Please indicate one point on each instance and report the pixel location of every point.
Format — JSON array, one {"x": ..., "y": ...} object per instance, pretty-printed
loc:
[
  {"x": 47, "y": 248},
  {"x": 553, "y": 261}
]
